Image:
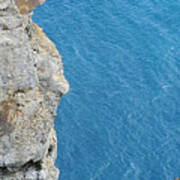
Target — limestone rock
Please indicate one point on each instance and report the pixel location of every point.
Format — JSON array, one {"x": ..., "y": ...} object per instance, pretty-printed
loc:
[
  {"x": 26, "y": 6},
  {"x": 31, "y": 84}
]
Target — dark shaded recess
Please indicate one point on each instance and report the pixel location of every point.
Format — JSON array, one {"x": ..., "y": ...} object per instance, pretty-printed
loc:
[
  {"x": 31, "y": 163},
  {"x": 28, "y": 31},
  {"x": 5, "y": 27},
  {"x": 5, "y": 9},
  {"x": 50, "y": 150},
  {"x": 20, "y": 91},
  {"x": 13, "y": 169}
]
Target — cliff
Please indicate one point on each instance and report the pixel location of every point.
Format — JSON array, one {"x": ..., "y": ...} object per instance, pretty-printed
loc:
[{"x": 31, "y": 84}]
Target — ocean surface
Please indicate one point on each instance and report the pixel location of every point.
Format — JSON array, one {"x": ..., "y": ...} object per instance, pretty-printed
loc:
[{"x": 121, "y": 117}]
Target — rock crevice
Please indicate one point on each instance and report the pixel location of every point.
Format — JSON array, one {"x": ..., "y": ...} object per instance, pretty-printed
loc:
[{"x": 31, "y": 84}]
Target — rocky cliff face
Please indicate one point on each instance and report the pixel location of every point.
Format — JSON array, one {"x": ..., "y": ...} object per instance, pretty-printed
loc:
[{"x": 31, "y": 84}]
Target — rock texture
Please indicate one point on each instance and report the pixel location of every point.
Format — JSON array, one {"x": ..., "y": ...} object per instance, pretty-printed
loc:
[{"x": 31, "y": 83}]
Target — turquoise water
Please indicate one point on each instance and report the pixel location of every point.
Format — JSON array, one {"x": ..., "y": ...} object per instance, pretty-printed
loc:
[{"x": 121, "y": 117}]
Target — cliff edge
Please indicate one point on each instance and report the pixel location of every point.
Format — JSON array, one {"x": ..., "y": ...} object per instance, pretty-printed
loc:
[{"x": 31, "y": 84}]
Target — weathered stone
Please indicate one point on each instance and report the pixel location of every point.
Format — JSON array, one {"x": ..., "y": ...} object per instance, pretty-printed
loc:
[
  {"x": 26, "y": 6},
  {"x": 31, "y": 83},
  {"x": 4, "y": 4}
]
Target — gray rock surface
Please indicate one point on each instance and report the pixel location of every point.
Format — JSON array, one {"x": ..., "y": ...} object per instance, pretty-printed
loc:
[{"x": 31, "y": 84}]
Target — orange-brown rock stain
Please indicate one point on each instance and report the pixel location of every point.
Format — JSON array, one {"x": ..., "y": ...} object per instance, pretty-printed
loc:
[
  {"x": 26, "y": 6},
  {"x": 44, "y": 43}
]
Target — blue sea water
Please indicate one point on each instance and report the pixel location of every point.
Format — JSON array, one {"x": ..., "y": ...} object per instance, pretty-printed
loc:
[{"x": 121, "y": 117}]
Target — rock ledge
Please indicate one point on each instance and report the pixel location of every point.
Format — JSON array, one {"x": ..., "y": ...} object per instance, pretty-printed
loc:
[{"x": 31, "y": 84}]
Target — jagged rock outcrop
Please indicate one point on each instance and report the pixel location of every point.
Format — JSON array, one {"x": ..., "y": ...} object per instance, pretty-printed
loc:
[{"x": 31, "y": 84}]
